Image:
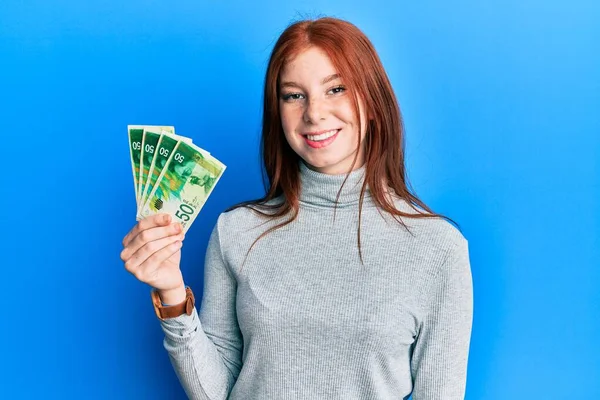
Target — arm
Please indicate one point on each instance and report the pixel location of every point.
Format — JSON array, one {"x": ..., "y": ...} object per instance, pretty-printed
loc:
[
  {"x": 206, "y": 349},
  {"x": 440, "y": 354}
]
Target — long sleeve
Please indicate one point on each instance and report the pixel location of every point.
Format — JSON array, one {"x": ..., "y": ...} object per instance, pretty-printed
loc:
[
  {"x": 440, "y": 354},
  {"x": 205, "y": 349}
]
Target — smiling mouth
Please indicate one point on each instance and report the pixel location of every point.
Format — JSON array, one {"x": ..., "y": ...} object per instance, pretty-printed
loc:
[
  {"x": 321, "y": 136},
  {"x": 321, "y": 140}
]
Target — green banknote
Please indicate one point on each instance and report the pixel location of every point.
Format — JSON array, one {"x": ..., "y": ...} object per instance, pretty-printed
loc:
[
  {"x": 184, "y": 184},
  {"x": 136, "y": 138},
  {"x": 135, "y": 134},
  {"x": 164, "y": 150},
  {"x": 150, "y": 139}
]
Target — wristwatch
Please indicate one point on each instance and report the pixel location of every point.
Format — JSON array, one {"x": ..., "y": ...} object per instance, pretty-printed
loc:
[{"x": 164, "y": 312}]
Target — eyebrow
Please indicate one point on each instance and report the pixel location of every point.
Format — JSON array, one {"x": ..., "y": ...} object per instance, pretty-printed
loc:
[{"x": 324, "y": 81}]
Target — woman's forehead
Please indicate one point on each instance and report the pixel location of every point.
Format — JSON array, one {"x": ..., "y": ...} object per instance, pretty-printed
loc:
[{"x": 312, "y": 58}]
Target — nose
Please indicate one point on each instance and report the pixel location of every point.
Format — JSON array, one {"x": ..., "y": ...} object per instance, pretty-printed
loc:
[{"x": 314, "y": 111}]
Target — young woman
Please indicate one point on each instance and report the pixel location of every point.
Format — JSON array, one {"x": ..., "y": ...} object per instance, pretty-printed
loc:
[{"x": 339, "y": 283}]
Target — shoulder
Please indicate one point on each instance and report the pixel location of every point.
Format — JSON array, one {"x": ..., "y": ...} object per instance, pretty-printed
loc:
[
  {"x": 238, "y": 229},
  {"x": 436, "y": 238},
  {"x": 437, "y": 230},
  {"x": 244, "y": 217},
  {"x": 243, "y": 222},
  {"x": 444, "y": 251}
]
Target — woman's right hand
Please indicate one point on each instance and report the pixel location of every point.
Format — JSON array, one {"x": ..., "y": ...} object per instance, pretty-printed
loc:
[{"x": 152, "y": 253}]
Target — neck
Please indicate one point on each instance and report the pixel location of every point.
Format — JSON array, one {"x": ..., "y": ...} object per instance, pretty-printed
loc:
[{"x": 321, "y": 189}]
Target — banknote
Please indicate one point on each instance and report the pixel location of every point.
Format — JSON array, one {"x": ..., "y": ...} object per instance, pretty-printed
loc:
[
  {"x": 150, "y": 139},
  {"x": 184, "y": 184},
  {"x": 164, "y": 149},
  {"x": 151, "y": 147},
  {"x": 135, "y": 146},
  {"x": 166, "y": 145}
]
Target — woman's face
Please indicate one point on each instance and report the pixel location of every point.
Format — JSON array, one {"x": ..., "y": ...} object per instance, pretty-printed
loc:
[{"x": 317, "y": 116}]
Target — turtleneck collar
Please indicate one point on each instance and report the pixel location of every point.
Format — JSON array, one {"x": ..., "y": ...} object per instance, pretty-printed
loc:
[{"x": 319, "y": 189}]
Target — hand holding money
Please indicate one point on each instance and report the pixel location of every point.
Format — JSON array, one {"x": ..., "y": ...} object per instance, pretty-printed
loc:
[
  {"x": 152, "y": 253},
  {"x": 172, "y": 178}
]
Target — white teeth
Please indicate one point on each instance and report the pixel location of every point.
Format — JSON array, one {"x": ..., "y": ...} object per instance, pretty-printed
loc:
[{"x": 322, "y": 136}]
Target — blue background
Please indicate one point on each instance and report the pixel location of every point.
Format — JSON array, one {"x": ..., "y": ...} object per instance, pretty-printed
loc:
[{"x": 501, "y": 101}]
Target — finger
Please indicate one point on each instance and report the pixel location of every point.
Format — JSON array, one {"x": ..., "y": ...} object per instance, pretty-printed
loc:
[
  {"x": 146, "y": 251},
  {"x": 152, "y": 255},
  {"x": 146, "y": 223},
  {"x": 148, "y": 236},
  {"x": 162, "y": 255},
  {"x": 145, "y": 272}
]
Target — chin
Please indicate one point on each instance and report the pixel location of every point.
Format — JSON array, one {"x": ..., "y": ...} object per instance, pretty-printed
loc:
[
  {"x": 318, "y": 162},
  {"x": 325, "y": 166}
]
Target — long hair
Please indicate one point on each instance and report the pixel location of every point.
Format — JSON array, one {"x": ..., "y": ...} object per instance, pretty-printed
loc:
[{"x": 357, "y": 62}]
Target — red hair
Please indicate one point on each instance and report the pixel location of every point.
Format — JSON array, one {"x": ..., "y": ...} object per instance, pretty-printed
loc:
[{"x": 357, "y": 62}]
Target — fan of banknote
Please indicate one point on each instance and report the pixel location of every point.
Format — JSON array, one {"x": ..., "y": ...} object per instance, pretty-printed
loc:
[{"x": 170, "y": 174}]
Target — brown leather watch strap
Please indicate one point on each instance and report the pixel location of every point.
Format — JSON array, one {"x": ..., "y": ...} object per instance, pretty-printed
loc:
[{"x": 164, "y": 312}]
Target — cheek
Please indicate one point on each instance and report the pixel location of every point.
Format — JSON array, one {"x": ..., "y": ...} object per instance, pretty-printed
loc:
[
  {"x": 287, "y": 125},
  {"x": 284, "y": 112},
  {"x": 364, "y": 121},
  {"x": 284, "y": 121},
  {"x": 346, "y": 113},
  {"x": 290, "y": 119}
]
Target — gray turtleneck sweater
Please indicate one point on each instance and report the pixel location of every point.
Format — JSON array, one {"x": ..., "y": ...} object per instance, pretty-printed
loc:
[{"x": 304, "y": 319}]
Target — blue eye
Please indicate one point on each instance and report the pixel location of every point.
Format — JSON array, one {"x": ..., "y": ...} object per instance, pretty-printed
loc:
[
  {"x": 289, "y": 96},
  {"x": 341, "y": 89}
]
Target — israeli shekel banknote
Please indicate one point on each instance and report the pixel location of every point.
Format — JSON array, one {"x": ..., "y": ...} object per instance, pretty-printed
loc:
[
  {"x": 171, "y": 174},
  {"x": 137, "y": 144}
]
